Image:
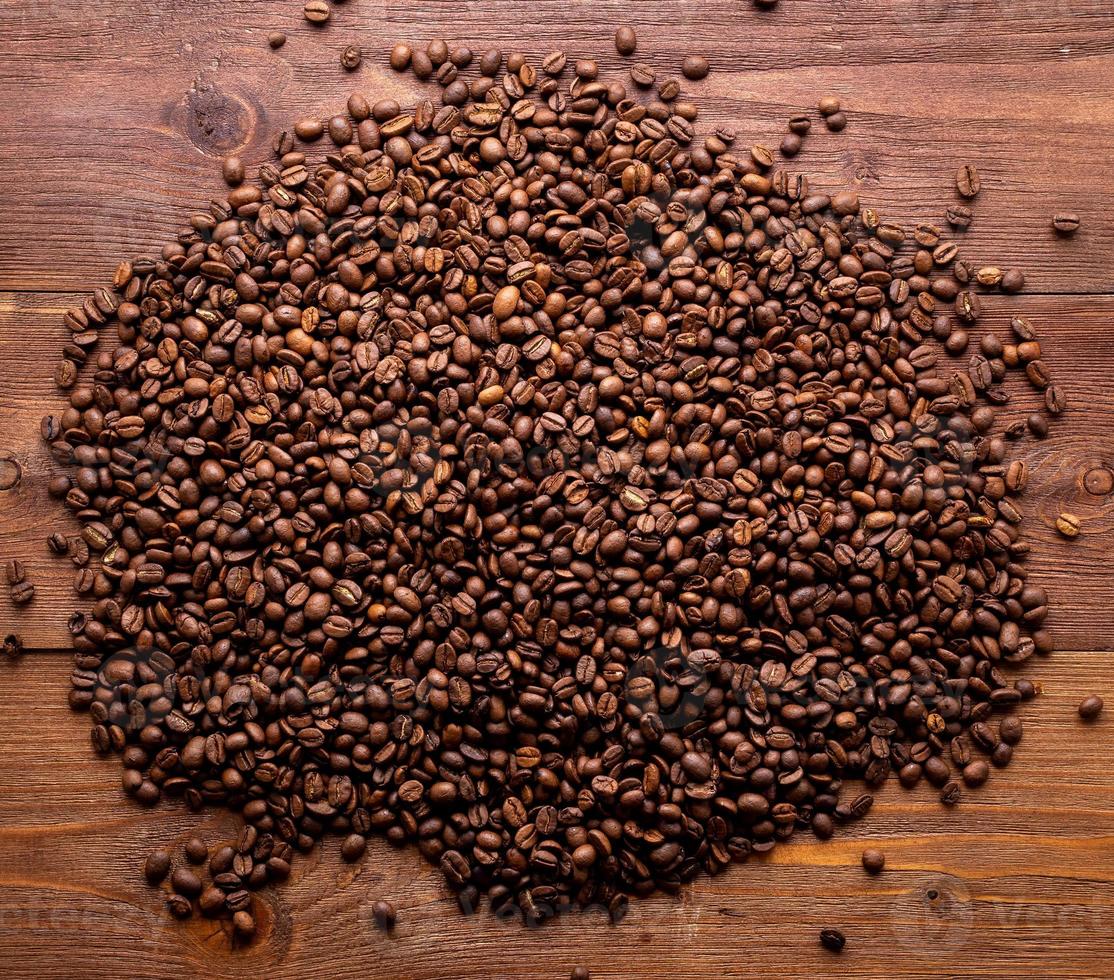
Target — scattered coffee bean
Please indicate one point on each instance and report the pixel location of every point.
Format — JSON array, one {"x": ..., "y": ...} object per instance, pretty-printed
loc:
[
  {"x": 873, "y": 861},
  {"x": 642, "y": 75},
  {"x": 967, "y": 181},
  {"x": 695, "y": 67},
  {"x": 384, "y": 915},
  {"x": 1065, "y": 222},
  {"x": 316, "y": 11},
  {"x": 1090, "y": 707},
  {"x": 196, "y": 850},
  {"x": 21, "y": 593},
  {"x": 13, "y": 646},
  {"x": 836, "y": 122},
  {"x": 833, "y": 940},
  {"x": 179, "y": 906},
  {"x": 400, "y": 57},
  {"x": 157, "y": 866},
  {"x": 276, "y": 39},
  {"x": 232, "y": 169},
  {"x": 828, "y": 105},
  {"x": 1068, "y": 525},
  {"x": 14, "y": 571},
  {"x": 959, "y": 216},
  {"x": 625, "y": 40},
  {"x": 351, "y": 57},
  {"x": 244, "y": 923},
  {"x": 353, "y": 847},
  {"x": 580, "y": 973}
]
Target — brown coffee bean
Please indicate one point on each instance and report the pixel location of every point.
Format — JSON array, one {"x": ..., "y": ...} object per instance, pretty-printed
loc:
[
  {"x": 873, "y": 860},
  {"x": 626, "y": 40},
  {"x": 196, "y": 850},
  {"x": 351, "y": 57},
  {"x": 384, "y": 915},
  {"x": 316, "y": 11},
  {"x": 642, "y": 75},
  {"x": 967, "y": 181},
  {"x": 1068, "y": 525},
  {"x": 400, "y": 57},
  {"x": 157, "y": 866},
  {"x": 276, "y": 39},
  {"x": 232, "y": 170},
  {"x": 833, "y": 940},
  {"x": 695, "y": 67},
  {"x": 836, "y": 122},
  {"x": 1090, "y": 707},
  {"x": 1065, "y": 222},
  {"x": 828, "y": 105}
]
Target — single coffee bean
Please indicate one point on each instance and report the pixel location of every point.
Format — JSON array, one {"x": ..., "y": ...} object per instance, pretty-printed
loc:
[
  {"x": 1068, "y": 525},
  {"x": 438, "y": 51},
  {"x": 625, "y": 40},
  {"x": 14, "y": 571},
  {"x": 157, "y": 866},
  {"x": 384, "y": 915},
  {"x": 828, "y": 105},
  {"x": 695, "y": 67},
  {"x": 400, "y": 57},
  {"x": 873, "y": 861},
  {"x": 836, "y": 122},
  {"x": 244, "y": 923},
  {"x": 13, "y": 646},
  {"x": 833, "y": 940},
  {"x": 232, "y": 170},
  {"x": 579, "y": 973},
  {"x": 967, "y": 181},
  {"x": 1013, "y": 281},
  {"x": 642, "y": 75},
  {"x": 21, "y": 593},
  {"x": 276, "y": 39},
  {"x": 316, "y": 11},
  {"x": 1065, "y": 222},
  {"x": 179, "y": 906},
  {"x": 196, "y": 850},
  {"x": 185, "y": 882},
  {"x": 309, "y": 130},
  {"x": 790, "y": 145},
  {"x": 353, "y": 847},
  {"x": 1090, "y": 707},
  {"x": 351, "y": 57},
  {"x": 959, "y": 216}
]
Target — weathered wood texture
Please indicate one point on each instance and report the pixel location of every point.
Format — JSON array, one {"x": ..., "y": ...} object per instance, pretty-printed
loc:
[
  {"x": 115, "y": 117},
  {"x": 117, "y": 113}
]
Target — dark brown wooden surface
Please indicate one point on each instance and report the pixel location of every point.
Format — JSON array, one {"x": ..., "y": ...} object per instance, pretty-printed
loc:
[{"x": 114, "y": 117}]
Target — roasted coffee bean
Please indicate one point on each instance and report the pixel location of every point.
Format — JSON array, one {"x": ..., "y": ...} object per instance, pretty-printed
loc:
[
  {"x": 833, "y": 940},
  {"x": 1065, "y": 222},
  {"x": 157, "y": 866},
  {"x": 836, "y": 122},
  {"x": 828, "y": 105},
  {"x": 316, "y": 11},
  {"x": 351, "y": 57},
  {"x": 196, "y": 850},
  {"x": 13, "y": 646},
  {"x": 233, "y": 171},
  {"x": 625, "y": 40},
  {"x": 384, "y": 915},
  {"x": 873, "y": 860},
  {"x": 967, "y": 181},
  {"x": 1068, "y": 525},
  {"x": 959, "y": 216},
  {"x": 400, "y": 57},
  {"x": 580, "y": 973},
  {"x": 642, "y": 76},
  {"x": 179, "y": 906},
  {"x": 695, "y": 67},
  {"x": 1090, "y": 707},
  {"x": 21, "y": 593}
]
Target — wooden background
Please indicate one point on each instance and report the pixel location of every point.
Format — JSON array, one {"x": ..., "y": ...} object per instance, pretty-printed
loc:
[{"x": 114, "y": 116}]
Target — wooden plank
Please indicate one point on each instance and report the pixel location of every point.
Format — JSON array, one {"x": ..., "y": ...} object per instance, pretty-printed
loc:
[
  {"x": 122, "y": 116},
  {"x": 1073, "y": 470},
  {"x": 1019, "y": 867}
]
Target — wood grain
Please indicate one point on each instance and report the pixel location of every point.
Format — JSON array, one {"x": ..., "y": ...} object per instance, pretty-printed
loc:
[
  {"x": 122, "y": 116},
  {"x": 117, "y": 115}
]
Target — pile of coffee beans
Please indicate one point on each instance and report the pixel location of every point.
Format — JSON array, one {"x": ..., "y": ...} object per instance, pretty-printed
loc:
[{"x": 536, "y": 481}]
